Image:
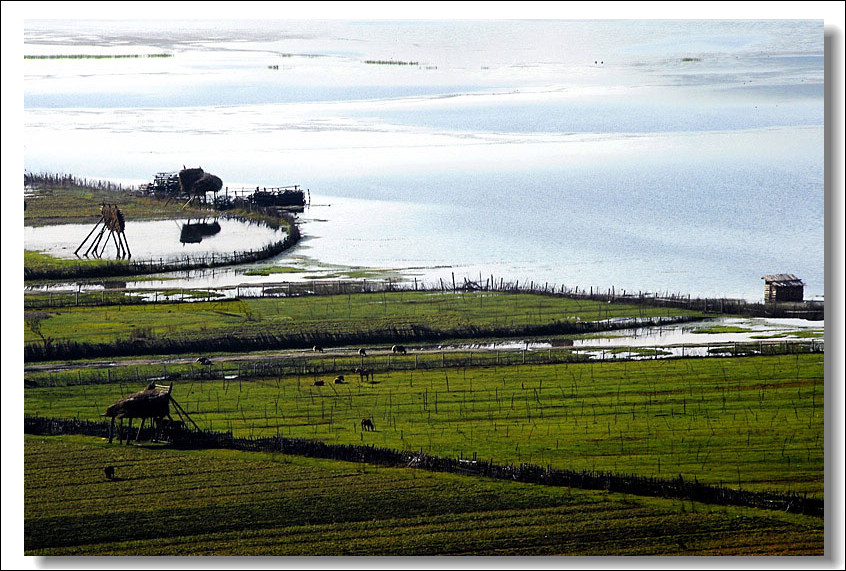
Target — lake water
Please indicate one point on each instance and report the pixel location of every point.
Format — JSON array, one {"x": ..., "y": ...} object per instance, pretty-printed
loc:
[{"x": 661, "y": 156}]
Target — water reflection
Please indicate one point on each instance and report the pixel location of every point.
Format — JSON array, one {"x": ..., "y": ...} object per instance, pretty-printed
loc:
[
  {"x": 166, "y": 240},
  {"x": 194, "y": 233}
]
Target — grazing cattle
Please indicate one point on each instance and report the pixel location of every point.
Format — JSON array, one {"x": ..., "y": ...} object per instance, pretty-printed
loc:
[
  {"x": 367, "y": 425},
  {"x": 110, "y": 472},
  {"x": 204, "y": 361},
  {"x": 362, "y": 352},
  {"x": 398, "y": 350},
  {"x": 364, "y": 374},
  {"x": 339, "y": 380},
  {"x": 317, "y": 349}
]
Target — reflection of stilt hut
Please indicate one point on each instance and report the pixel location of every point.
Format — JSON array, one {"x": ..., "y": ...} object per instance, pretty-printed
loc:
[
  {"x": 194, "y": 233},
  {"x": 783, "y": 287},
  {"x": 153, "y": 403}
]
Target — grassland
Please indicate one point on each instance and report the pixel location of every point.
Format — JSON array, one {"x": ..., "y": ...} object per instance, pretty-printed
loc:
[
  {"x": 81, "y": 204},
  {"x": 310, "y": 316},
  {"x": 650, "y": 418},
  {"x": 166, "y": 502}
]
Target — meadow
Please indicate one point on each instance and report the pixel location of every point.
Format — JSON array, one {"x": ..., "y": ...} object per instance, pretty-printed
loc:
[
  {"x": 300, "y": 320},
  {"x": 215, "y": 502},
  {"x": 656, "y": 418}
]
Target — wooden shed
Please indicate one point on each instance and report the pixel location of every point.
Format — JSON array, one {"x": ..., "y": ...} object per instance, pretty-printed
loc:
[{"x": 783, "y": 287}]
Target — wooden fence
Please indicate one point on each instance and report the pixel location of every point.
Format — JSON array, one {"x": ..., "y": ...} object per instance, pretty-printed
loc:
[
  {"x": 124, "y": 296},
  {"x": 678, "y": 488},
  {"x": 311, "y": 365}
]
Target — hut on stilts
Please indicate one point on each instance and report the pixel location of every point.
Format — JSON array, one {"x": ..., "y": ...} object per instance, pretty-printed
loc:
[
  {"x": 196, "y": 183},
  {"x": 113, "y": 220},
  {"x": 152, "y": 403}
]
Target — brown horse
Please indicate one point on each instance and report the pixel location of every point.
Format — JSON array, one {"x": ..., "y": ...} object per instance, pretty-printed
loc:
[
  {"x": 364, "y": 374},
  {"x": 367, "y": 425}
]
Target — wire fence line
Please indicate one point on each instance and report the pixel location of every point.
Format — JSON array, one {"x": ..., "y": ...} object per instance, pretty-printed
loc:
[
  {"x": 62, "y": 297},
  {"x": 347, "y": 362}
]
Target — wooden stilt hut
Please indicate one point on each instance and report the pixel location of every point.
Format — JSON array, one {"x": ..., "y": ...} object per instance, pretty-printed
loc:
[{"x": 152, "y": 403}]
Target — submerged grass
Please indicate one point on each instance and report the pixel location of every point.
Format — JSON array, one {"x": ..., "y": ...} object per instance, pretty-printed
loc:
[{"x": 215, "y": 502}]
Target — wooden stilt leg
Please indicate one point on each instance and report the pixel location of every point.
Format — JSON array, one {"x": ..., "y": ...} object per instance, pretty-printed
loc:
[
  {"x": 126, "y": 245},
  {"x": 140, "y": 428},
  {"x": 95, "y": 241},
  {"x": 87, "y": 237}
]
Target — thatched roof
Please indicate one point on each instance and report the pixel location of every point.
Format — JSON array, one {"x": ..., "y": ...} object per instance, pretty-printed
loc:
[
  {"x": 198, "y": 182},
  {"x": 783, "y": 280},
  {"x": 149, "y": 403},
  {"x": 188, "y": 177},
  {"x": 207, "y": 183}
]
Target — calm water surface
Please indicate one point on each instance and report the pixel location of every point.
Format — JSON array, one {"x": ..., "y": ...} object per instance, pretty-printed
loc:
[{"x": 674, "y": 156}]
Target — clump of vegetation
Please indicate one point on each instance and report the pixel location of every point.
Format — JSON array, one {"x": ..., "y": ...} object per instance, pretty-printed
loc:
[
  {"x": 389, "y": 62},
  {"x": 721, "y": 329},
  {"x": 97, "y": 56},
  {"x": 274, "y": 270}
]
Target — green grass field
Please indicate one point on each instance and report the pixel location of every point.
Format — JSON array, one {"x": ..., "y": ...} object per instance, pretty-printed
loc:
[
  {"x": 166, "y": 502},
  {"x": 752, "y": 422},
  {"x": 343, "y": 314}
]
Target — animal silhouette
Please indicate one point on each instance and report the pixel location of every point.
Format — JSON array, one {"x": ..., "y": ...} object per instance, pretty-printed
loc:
[
  {"x": 367, "y": 425},
  {"x": 398, "y": 350}
]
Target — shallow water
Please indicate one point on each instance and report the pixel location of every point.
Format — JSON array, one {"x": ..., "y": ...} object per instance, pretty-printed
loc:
[
  {"x": 157, "y": 239},
  {"x": 676, "y": 156},
  {"x": 672, "y": 340}
]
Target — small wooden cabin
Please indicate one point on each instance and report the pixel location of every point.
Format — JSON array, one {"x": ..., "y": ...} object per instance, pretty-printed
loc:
[{"x": 783, "y": 287}]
